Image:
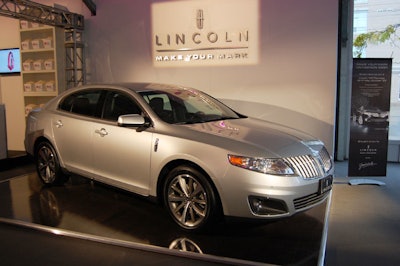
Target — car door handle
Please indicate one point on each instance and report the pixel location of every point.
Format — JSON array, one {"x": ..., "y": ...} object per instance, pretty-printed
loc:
[
  {"x": 58, "y": 124},
  {"x": 102, "y": 132}
]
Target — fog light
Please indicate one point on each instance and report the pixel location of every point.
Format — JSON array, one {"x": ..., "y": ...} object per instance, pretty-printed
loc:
[{"x": 267, "y": 206}]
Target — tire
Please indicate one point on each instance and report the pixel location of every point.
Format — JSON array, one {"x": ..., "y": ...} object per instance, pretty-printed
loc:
[
  {"x": 190, "y": 199},
  {"x": 48, "y": 166}
]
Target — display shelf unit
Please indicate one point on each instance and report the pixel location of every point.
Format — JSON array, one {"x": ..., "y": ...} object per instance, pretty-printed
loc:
[{"x": 43, "y": 63}]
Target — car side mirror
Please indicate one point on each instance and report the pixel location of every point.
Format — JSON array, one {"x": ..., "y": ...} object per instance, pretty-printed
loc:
[{"x": 131, "y": 120}]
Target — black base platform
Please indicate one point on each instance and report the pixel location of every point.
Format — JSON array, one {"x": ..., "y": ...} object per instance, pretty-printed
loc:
[{"x": 85, "y": 210}]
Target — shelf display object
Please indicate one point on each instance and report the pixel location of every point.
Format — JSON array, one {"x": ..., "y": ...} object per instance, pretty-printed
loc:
[{"x": 43, "y": 63}]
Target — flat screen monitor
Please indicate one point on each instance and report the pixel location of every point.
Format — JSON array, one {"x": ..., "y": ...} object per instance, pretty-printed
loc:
[{"x": 10, "y": 61}]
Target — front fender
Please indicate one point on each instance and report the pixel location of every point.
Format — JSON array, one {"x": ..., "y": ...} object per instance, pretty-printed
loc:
[{"x": 212, "y": 160}]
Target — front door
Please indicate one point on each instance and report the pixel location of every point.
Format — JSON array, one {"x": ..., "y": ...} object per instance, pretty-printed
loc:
[{"x": 121, "y": 155}]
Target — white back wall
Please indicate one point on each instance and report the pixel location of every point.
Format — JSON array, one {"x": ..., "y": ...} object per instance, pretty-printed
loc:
[{"x": 293, "y": 82}]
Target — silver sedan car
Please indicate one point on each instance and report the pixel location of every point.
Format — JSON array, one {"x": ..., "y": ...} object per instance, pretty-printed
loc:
[{"x": 182, "y": 147}]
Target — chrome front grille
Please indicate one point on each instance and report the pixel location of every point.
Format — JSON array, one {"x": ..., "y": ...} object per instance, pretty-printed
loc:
[
  {"x": 305, "y": 166},
  {"x": 309, "y": 200},
  {"x": 311, "y": 166},
  {"x": 326, "y": 158}
]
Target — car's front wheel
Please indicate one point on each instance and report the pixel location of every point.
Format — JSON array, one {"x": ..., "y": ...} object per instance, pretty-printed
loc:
[
  {"x": 48, "y": 165},
  {"x": 190, "y": 199}
]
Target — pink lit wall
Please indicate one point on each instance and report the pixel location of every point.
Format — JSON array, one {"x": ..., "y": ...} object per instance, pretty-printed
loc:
[{"x": 293, "y": 81}]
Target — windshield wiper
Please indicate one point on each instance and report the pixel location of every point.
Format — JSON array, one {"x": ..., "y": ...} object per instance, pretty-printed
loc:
[
  {"x": 222, "y": 118},
  {"x": 206, "y": 120}
]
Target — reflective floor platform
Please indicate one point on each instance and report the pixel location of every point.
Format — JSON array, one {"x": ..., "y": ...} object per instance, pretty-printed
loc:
[{"x": 81, "y": 209}]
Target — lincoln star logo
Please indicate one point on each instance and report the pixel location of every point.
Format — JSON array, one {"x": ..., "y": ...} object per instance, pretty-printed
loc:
[{"x": 200, "y": 19}]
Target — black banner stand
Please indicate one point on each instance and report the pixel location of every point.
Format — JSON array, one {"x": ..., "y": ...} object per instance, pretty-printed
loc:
[{"x": 369, "y": 125}]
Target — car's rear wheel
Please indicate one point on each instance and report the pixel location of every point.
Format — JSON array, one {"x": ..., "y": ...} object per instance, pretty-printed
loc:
[
  {"x": 190, "y": 199},
  {"x": 48, "y": 165}
]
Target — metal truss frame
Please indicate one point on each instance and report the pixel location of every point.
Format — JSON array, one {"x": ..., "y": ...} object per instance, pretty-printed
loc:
[
  {"x": 24, "y": 9},
  {"x": 75, "y": 68}
]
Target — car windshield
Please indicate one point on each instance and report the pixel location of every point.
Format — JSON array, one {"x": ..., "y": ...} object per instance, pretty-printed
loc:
[{"x": 187, "y": 106}]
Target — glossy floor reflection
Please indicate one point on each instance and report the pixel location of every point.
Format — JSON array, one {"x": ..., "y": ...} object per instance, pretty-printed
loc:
[{"x": 91, "y": 208}]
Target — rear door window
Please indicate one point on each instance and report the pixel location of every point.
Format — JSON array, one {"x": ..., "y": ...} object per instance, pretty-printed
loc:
[{"x": 83, "y": 103}]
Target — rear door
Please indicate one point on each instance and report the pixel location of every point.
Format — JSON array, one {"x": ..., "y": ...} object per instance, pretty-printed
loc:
[{"x": 73, "y": 129}]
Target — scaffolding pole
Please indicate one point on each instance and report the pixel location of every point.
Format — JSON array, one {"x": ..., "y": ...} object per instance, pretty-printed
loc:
[{"x": 75, "y": 58}]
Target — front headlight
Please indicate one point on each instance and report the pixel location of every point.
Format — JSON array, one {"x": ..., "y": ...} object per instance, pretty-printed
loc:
[{"x": 263, "y": 165}]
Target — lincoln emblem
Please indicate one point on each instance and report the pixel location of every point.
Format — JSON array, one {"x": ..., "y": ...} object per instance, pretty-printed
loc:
[{"x": 200, "y": 19}]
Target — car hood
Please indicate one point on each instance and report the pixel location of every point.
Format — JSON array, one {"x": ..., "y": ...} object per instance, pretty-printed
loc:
[{"x": 271, "y": 138}]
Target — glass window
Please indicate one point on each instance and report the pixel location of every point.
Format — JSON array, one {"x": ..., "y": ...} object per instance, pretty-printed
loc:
[
  {"x": 117, "y": 104},
  {"x": 360, "y": 24},
  {"x": 360, "y": 2},
  {"x": 376, "y": 15},
  {"x": 83, "y": 103},
  {"x": 185, "y": 106}
]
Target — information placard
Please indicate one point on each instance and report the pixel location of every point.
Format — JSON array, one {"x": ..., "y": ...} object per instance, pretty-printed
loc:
[{"x": 369, "y": 125}]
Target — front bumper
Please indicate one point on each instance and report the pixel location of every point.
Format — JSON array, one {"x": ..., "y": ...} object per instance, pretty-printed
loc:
[{"x": 254, "y": 195}]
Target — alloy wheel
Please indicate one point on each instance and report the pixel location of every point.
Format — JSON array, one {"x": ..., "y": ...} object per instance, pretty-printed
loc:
[
  {"x": 46, "y": 164},
  {"x": 187, "y": 200}
]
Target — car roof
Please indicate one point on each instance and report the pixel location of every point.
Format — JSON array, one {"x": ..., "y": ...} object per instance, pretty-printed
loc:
[{"x": 138, "y": 86}]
